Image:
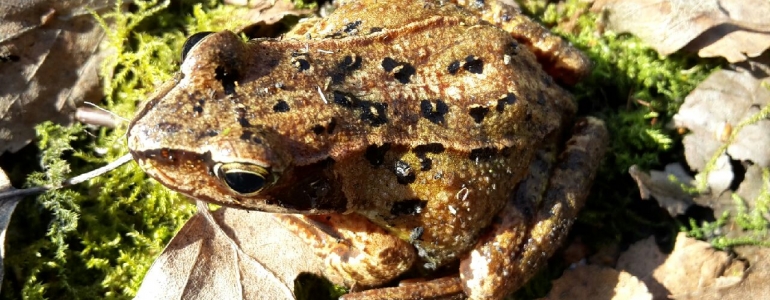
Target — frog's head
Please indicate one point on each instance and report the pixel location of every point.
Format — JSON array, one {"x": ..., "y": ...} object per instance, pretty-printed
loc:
[{"x": 200, "y": 136}]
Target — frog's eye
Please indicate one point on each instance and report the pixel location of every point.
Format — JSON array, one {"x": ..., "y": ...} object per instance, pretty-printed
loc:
[
  {"x": 192, "y": 41},
  {"x": 244, "y": 179}
]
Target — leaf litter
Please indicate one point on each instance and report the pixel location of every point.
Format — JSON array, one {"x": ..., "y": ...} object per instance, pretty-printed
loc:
[
  {"x": 728, "y": 146},
  {"x": 733, "y": 29},
  {"x": 49, "y": 61},
  {"x": 229, "y": 254}
]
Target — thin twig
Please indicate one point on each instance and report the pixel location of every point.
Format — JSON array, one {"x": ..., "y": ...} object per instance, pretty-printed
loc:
[{"x": 69, "y": 182}]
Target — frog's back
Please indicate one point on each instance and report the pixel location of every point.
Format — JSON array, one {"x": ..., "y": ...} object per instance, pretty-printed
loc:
[
  {"x": 433, "y": 75},
  {"x": 406, "y": 73}
]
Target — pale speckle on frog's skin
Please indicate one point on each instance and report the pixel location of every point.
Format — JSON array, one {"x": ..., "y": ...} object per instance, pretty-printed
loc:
[{"x": 404, "y": 136}]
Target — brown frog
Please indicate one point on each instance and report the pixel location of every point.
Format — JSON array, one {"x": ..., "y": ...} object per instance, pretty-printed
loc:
[{"x": 399, "y": 138}]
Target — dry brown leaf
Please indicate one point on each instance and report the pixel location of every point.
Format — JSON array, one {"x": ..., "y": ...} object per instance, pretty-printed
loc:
[
  {"x": 594, "y": 282},
  {"x": 669, "y": 194},
  {"x": 245, "y": 255},
  {"x": 47, "y": 63},
  {"x": 754, "y": 286},
  {"x": 717, "y": 107},
  {"x": 7, "y": 206},
  {"x": 733, "y": 29},
  {"x": 718, "y": 111},
  {"x": 693, "y": 268},
  {"x": 267, "y": 11},
  {"x": 714, "y": 111}
]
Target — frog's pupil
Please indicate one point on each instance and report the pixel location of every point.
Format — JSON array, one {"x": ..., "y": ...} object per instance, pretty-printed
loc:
[{"x": 244, "y": 182}]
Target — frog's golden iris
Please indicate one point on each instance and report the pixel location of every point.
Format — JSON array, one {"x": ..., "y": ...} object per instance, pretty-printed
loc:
[{"x": 244, "y": 179}]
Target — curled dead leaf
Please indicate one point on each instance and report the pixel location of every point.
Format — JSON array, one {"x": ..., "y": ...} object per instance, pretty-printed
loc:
[
  {"x": 669, "y": 193},
  {"x": 229, "y": 254}
]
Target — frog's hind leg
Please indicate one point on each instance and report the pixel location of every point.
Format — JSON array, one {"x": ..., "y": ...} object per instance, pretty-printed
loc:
[
  {"x": 559, "y": 58},
  {"x": 532, "y": 228},
  {"x": 355, "y": 250}
]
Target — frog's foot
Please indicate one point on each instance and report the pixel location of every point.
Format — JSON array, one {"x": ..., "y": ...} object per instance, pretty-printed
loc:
[
  {"x": 441, "y": 288},
  {"x": 354, "y": 249},
  {"x": 558, "y": 57},
  {"x": 525, "y": 238}
]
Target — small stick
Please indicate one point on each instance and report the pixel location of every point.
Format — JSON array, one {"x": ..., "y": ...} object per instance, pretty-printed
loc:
[{"x": 69, "y": 182}]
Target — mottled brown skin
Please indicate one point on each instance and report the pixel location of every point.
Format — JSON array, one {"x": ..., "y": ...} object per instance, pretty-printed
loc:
[{"x": 404, "y": 135}]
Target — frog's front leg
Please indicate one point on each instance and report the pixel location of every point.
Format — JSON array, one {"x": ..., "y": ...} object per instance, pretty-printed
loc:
[
  {"x": 353, "y": 248},
  {"x": 559, "y": 59},
  {"x": 538, "y": 216}
]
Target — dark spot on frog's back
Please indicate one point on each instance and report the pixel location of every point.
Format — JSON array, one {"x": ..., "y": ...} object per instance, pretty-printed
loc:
[
  {"x": 474, "y": 64},
  {"x": 352, "y": 27},
  {"x": 301, "y": 64},
  {"x": 482, "y": 154},
  {"x": 402, "y": 71},
  {"x": 343, "y": 99},
  {"x": 409, "y": 207},
  {"x": 434, "y": 113},
  {"x": 507, "y": 100},
  {"x": 421, "y": 152},
  {"x": 404, "y": 172},
  {"x": 373, "y": 112},
  {"x": 376, "y": 154},
  {"x": 281, "y": 106},
  {"x": 348, "y": 64},
  {"x": 435, "y": 148},
  {"x": 388, "y": 64},
  {"x": 478, "y": 113},
  {"x": 403, "y": 75},
  {"x": 453, "y": 67}
]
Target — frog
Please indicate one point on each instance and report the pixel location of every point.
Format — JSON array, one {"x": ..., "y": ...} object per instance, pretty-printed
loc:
[{"x": 416, "y": 141}]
